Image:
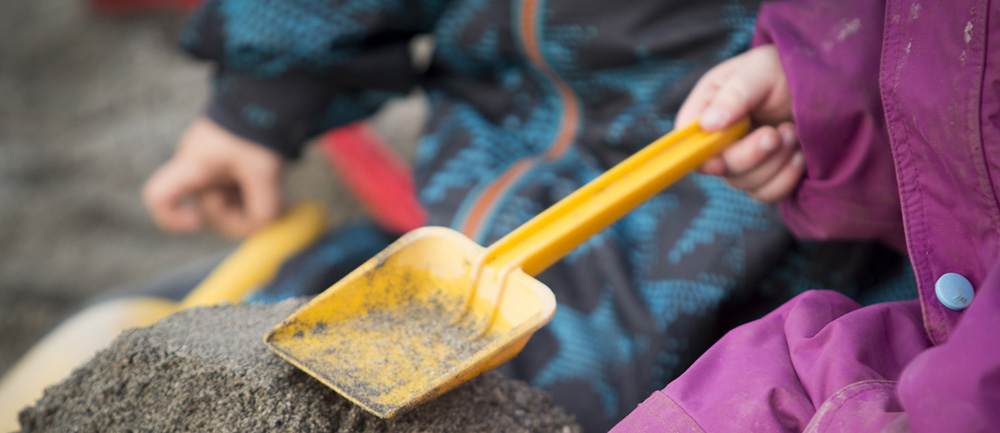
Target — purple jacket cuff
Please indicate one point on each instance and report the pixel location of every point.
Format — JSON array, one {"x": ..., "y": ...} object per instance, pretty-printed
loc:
[
  {"x": 657, "y": 414},
  {"x": 849, "y": 190}
]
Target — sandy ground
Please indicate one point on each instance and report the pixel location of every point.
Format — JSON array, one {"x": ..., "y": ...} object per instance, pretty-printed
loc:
[
  {"x": 89, "y": 106},
  {"x": 209, "y": 370}
]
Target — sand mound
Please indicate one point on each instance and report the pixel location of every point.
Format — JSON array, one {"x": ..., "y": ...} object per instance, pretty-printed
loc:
[{"x": 207, "y": 369}]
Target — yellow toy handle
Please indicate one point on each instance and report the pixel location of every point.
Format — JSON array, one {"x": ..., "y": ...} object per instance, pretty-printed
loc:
[
  {"x": 552, "y": 234},
  {"x": 74, "y": 341},
  {"x": 258, "y": 258}
]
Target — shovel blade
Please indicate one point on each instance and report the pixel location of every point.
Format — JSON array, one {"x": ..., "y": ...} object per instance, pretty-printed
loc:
[{"x": 384, "y": 336}]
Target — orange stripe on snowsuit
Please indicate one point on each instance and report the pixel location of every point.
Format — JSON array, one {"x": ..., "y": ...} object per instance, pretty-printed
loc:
[
  {"x": 571, "y": 119},
  {"x": 487, "y": 200},
  {"x": 529, "y": 14},
  {"x": 490, "y": 194}
]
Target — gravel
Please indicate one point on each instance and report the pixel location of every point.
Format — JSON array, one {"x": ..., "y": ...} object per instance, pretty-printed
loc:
[{"x": 207, "y": 369}]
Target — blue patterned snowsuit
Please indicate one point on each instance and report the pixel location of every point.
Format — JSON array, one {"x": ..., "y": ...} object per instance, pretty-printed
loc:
[{"x": 531, "y": 99}]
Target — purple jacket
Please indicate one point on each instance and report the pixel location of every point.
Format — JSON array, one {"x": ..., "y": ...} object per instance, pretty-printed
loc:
[{"x": 898, "y": 109}]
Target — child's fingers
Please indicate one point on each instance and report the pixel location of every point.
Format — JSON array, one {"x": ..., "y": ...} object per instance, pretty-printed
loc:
[
  {"x": 695, "y": 104},
  {"x": 167, "y": 193},
  {"x": 714, "y": 166},
  {"x": 750, "y": 151},
  {"x": 743, "y": 155},
  {"x": 702, "y": 94},
  {"x": 224, "y": 211},
  {"x": 760, "y": 174},
  {"x": 789, "y": 134},
  {"x": 260, "y": 190},
  {"x": 746, "y": 90},
  {"x": 783, "y": 183},
  {"x": 736, "y": 98},
  {"x": 758, "y": 157}
]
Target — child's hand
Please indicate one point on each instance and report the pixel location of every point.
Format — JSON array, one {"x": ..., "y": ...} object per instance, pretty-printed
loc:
[
  {"x": 767, "y": 163},
  {"x": 216, "y": 179}
]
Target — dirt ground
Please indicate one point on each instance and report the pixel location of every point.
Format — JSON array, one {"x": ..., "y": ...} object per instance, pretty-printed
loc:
[
  {"x": 89, "y": 106},
  {"x": 207, "y": 369}
]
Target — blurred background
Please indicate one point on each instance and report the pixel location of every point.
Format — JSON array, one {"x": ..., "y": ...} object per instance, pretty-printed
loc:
[{"x": 90, "y": 104}]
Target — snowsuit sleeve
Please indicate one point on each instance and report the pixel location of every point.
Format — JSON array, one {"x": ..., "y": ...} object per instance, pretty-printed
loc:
[
  {"x": 288, "y": 70},
  {"x": 830, "y": 53}
]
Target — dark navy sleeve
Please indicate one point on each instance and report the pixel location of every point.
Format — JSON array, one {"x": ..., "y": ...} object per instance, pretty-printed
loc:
[{"x": 287, "y": 70}]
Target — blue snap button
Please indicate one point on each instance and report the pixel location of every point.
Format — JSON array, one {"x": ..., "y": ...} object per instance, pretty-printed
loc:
[{"x": 954, "y": 291}]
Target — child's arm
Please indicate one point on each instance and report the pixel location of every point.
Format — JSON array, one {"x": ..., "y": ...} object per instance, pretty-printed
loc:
[
  {"x": 828, "y": 83},
  {"x": 288, "y": 71},
  {"x": 767, "y": 163},
  {"x": 283, "y": 75}
]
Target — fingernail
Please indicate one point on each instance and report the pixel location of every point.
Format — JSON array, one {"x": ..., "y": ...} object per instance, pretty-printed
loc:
[
  {"x": 789, "y": 136},
  {"x": 798, "y": 160},
  {"x": 767, "y": 142},
  {"x": 713, "y": 118}
]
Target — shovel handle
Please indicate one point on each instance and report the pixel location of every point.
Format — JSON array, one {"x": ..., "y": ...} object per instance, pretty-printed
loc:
[
  {"x": 552, "y": 234},
  {"x": 258, "y": 258}
]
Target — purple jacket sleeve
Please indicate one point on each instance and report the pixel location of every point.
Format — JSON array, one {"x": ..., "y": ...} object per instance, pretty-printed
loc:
[{"x": 830, "y": 53}]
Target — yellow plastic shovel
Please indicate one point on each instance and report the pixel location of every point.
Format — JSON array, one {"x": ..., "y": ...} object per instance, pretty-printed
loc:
[{"x": 435, "y": 309}]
